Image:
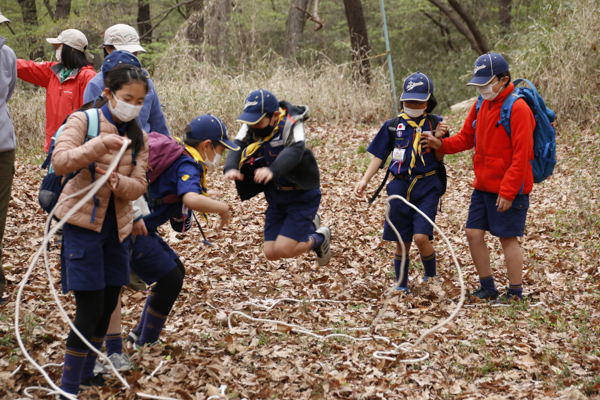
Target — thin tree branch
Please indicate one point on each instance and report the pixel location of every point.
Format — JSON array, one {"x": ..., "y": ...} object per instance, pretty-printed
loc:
[
  {"x": 313, "y": 19},
  {"x": 157, "y": 24},
  {"x": 460, "y": 26},
  {"x": 168, "y": 11},
  {"x": 49, "y": 7},
  {"x": 471, "y": 24}
]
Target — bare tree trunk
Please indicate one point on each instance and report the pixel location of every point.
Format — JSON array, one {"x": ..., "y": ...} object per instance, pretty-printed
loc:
[
  {"x": 444, "y": 30},
  {"x": 359, "y": 38},
  {"x": 294, "y": 27},
  {"x": 143, "y": 17},
  {"x": 504, "y": 15},
  {"x": 29, "y": 12},
  {"x": 216, "y": 28},
  {"x": 479, "y": 38},
  {"x": 63, "y": 9},
  {"x": 195, "y": 29},
  {"x": 477, "y": 43}
]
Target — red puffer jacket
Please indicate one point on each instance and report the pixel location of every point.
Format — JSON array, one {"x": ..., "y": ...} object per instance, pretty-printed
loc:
[
  {"x": 501, "y": 162},
  {"x": 61, "y": 98}
]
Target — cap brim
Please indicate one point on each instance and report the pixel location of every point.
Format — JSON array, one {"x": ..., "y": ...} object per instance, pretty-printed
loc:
[
  {"x": 132, "y": 48},
  {"x": 3, "y": 19},
  {"x": 53, "y": 41},
  {"x": 250, "y": 119},
  {"x": 415, "y": 96},
  {"x": 480, "y": 80},
  {"x": 229, "y": 144}
]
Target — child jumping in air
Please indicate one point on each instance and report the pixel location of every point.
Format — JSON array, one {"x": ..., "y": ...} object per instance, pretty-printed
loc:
[
  {"x": 273, "y": 159},
  {"x": 414, "y": 171}
]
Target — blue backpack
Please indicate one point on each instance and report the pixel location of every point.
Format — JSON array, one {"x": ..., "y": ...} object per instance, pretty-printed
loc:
[
  {"x": 544, "y": 135},
  {"x": 52, "y": 185}
]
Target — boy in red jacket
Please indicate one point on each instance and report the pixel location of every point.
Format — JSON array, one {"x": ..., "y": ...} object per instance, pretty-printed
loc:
[{"x": 503, "y": 175}]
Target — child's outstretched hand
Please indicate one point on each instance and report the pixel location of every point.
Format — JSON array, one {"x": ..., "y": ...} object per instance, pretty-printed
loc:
[
  {"x": 359, "y": 190},
  {"x": 225, "y": 219},
  {"x": 233, "y": 175},
  {"x": 263, "y": 175},
  {"x": 441, "y": 129}
]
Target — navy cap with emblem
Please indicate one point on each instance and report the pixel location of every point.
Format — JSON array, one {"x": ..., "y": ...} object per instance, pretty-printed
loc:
[
  {"x": 486, "y": 68},
  {"x": 258, "y": 104},
  {"x": 417, "y": 87},
  {"x": 118, "y": 57},
  {"x": 209, "y": 127}
]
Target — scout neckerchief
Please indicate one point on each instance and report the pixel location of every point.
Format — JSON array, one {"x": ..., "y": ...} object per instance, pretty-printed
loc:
[
  {"x": 416, "y": 147},
  {"x": 253, "y": 148},
  {"x": 198, "y": 158}
]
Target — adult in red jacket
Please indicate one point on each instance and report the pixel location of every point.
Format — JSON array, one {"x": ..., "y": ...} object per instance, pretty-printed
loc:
[
  {"x": 503, "y": 175},
  {"x": 64, "y": 80}
]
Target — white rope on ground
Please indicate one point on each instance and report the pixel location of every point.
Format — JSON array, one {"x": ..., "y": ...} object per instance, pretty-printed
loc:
[
  {"x": 405, "y": 347},
  {"x": 92, "y": 189}
]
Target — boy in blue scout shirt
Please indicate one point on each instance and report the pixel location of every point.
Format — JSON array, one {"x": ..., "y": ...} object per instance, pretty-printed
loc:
[
  {"x": 273, "y": 159},
  {"x": 414, "y": 173},
  {"x": 152, "y": 259}
]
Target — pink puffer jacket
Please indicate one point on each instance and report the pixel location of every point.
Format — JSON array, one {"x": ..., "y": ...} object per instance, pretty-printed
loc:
[{"x": 72, "y": 154}]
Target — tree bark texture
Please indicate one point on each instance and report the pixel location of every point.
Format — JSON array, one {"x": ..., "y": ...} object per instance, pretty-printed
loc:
[
  {"x": 63, "y": 9},
  {"x": 359, "y": 39},
  {"x": 143, "y": 17},
  {"x": 216, "y": 28},
  {"x": 294, "y": 27},
  {"x": 195, "y": 29},
  {"x": 29, "y": 12},
  {"x": 504, "y": 15},
  {"x": 479, "y": 38}
]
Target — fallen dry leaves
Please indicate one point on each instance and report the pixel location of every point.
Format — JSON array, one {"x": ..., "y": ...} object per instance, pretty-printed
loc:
[{"x": 517, "y": 352}]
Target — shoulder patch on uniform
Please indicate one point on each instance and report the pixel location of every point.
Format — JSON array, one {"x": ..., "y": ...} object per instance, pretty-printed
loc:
[{"x": 185, "y": 178}]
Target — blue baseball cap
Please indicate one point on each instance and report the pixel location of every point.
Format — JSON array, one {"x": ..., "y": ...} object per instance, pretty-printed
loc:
[
  {"x": 118, "y": 57},
  {"x": 258, "y": 104},
  {"x": 209, "y": 127},
  {"x": 417, "y": 87},
  {"x": 486, "y": 68}
]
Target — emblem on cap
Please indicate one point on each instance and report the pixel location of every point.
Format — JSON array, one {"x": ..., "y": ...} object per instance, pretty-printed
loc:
[
  {"x": 411, "y": 85},
  {"x": 250, "y": 103},
  {"x": 478, "y": 67}
]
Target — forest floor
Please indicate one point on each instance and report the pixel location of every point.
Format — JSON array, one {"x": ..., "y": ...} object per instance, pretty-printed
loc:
[{"x": 526, "y": 350}]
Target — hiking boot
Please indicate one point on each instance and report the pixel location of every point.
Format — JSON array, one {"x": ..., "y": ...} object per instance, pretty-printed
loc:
[
  {"x": 97, "y": 381},
  {"x": 324, "y": 250},
  {"x": 404, "y": 289},
  {"x": 484, "y": 294},
  {"x": 507, "y": 299},
  {"x": 317, "y": 222},
  {"x": 99, "y": 368},
  {"x": 120, "y": 361},
  {"x": 132, "y": 337}
]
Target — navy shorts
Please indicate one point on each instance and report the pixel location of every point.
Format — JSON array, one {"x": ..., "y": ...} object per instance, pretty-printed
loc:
[
  {"x": 484, "y": 215},
  {"x": 425, "y": 195},
  {"x": 151, "y": 257},
  {"x": 93, "y": 260},
  {"x": 290, "y": 213}
]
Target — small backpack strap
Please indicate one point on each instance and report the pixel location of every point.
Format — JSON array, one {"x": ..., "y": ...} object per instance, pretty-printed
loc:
[{"x": 93, "y": 123}]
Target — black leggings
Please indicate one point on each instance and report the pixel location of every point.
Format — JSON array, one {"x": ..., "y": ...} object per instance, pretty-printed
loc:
[
  {"x": 92, "y": 315},
  {"x": 167, "y": 289}
]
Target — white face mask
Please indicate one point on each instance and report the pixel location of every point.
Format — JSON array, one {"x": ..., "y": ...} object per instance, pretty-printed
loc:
[
  {"x": 58, "y": 55},
  {"x": 214, "y": 164},
  {"x": 414, "y": 112},
  {"x": 125, "y": 112},
  {"x": 487, "y": 92}
]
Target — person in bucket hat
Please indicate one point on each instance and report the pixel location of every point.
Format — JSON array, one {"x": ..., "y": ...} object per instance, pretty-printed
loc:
[
  {"x": 414, "y": 170},
  {"x": 273, "y": 159},
  {"x": 503, "y": 174},
  {"x": 64, "y": 80},
  {"x": 119, "y": 42}
]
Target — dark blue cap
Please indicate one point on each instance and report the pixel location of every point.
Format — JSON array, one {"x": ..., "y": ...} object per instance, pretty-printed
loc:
[
  {"x": 417, "y": 87},
  {"x": 208, "y": 127},
  {"x": 118, "y": 57},
  {"x": 486, "y": 68},
  {"x": 258, "y": 104}
]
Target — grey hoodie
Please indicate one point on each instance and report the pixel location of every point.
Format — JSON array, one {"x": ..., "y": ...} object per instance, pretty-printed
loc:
[{"x": 8, "y": 80}]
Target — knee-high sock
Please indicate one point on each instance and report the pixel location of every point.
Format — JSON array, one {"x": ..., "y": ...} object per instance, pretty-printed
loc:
[
  {"x": 72, "y": 368},
  {"x": 114, "y": 344},
  {"x": 397, "y": 265},
  {"x": 140, "y": 327},
  {"x": 88, "y": 366},
  {"x": 153, "y": 325},
  {"x": 429, "y": 263}
]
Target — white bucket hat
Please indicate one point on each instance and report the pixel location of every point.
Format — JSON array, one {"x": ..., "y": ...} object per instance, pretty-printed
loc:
[
  {"x": 71, "y": 37},
  {"x": 122, "y": 37}
]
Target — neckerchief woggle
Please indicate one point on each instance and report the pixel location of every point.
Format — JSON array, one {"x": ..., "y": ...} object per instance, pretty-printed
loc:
[{"x": 253, "y": 147}]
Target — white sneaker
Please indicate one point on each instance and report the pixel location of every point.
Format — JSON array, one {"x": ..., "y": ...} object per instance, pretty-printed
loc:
[
  {"x": 324, "y": 250},
  {"x": 99, "y": 368},
  {"x": 120, "y": 361},
  {"x": 317, "y": 222}
]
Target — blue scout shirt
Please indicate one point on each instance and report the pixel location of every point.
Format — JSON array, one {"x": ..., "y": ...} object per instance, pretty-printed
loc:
[
  {"x": 183, "y": 176},
  {"x": 401, "y": 148},
  {"x": 151, "y": 118}
]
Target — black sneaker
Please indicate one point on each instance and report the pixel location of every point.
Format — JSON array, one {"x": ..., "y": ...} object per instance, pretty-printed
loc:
[
  {"x": 97, "y": 380},
  {"x": 3, "y": 301},
  {"x": 324, "y": 250},
  {"x": 507, "y": 299},
  {"x": 132, "y": 337},
  {"x": 484, "y": 294}
]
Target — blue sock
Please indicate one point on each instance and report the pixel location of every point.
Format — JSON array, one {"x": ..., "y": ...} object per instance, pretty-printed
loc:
[
  {"x": 74, "y": 360},
  {"x": 516, "y": 290},
  {"x": 429, "y": 263},
  {"x": 317, "y": 240},
  {"x": 487, "y": 282},
  {"x": 90, "y": 361},
  {"x": 140, "y": 327},
  {"x": 114, "y": 344},
  {"x": 153, "y": 325},
  {"x": 397, "y": 264}
]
